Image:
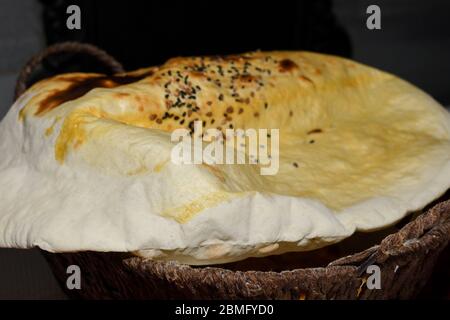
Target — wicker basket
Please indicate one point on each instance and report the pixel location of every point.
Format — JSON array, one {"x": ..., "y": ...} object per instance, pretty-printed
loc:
[{"x": 406, "y": 258}]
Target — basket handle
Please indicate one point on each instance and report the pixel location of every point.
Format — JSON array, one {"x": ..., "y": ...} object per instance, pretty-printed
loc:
[{"x": 64, "y": 47}]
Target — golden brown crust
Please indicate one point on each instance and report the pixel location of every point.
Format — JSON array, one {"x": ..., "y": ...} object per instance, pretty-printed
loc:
[
  {"x": 221, "y": 91},
  {"x": 349, "y": 139}
]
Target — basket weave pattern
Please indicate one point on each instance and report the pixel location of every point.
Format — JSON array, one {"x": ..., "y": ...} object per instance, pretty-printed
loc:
[{"x": 406, "y": 260}]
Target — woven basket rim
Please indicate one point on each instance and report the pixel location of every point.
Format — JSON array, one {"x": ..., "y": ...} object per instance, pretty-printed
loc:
[
  {"x": 428, "y": 230},
  {"x": 406, "y": 259}
]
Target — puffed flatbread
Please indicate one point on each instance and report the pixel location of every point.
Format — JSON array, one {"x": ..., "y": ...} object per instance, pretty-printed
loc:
[{"x": 86, "y": 159}]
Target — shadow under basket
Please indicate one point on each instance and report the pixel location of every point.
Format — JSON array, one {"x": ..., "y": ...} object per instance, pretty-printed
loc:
[{"x": 405, "y": 258}]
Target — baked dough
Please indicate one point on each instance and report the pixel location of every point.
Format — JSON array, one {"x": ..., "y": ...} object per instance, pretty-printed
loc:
[{"x": 86, "y": 158}]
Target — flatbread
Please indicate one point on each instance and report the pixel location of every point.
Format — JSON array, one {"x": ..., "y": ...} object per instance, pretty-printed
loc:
[{"x": 86, "y": 159}]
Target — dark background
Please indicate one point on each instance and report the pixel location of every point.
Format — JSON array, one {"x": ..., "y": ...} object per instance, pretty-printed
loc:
[
  {"x": 150, "y": 32},
  {"x": 414, "y": 43}
]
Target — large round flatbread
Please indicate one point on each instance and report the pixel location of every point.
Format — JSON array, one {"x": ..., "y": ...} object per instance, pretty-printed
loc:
[{"x": 86, "y": 159}]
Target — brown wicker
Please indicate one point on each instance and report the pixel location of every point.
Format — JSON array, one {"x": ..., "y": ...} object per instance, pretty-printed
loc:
[
  {"x": 59, "y": 48},
  {"x": 406, "y": 259}
]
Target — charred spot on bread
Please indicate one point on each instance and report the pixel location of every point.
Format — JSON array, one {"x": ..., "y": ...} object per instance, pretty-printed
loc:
[
  {"x": 79, "y": 85},
  {"x": 287, "y": 65}
]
